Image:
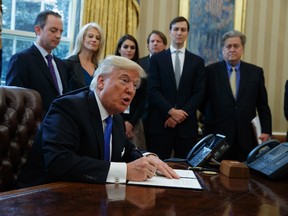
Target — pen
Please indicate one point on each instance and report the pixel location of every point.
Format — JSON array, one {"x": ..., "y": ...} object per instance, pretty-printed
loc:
[{"x": 202, "y": 169}]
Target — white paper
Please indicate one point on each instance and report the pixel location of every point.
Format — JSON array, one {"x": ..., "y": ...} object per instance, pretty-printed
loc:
[
  {"x": 187, "y": 180},
  {"x": 257, "y": 128}
]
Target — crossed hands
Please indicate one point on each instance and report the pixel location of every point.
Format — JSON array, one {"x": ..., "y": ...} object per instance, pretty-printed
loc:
[
  {"x": 145, "y": 168},
  {"x": 176, "y": 116}
]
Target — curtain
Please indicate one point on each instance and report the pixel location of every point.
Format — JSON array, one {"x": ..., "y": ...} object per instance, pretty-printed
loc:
[{"x": 116, "y": 17}]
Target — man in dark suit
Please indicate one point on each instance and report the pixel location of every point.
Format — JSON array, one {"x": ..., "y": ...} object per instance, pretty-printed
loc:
[
  {"x": 69, "y": 145},
  {"x": 176, "y": 88},
  {"x": 231, "y": 113},
  {"x": 156, "y": 42},
  {"x": 286, "y": 105},
  {"x": 30, "y": 69}
]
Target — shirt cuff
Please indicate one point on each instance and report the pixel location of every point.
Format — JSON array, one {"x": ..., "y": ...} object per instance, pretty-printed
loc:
[
  {"x": 149, "y": 153},
  {"x": 117, "y": 173}
]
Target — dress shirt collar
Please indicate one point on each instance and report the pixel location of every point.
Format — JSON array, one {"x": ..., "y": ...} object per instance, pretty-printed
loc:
[
  {"x": 229, "y": 66},
  {"x": 43, "y": 52},
  {"x": 103, "y": 112},
  {"x": 173, "y": 49}
]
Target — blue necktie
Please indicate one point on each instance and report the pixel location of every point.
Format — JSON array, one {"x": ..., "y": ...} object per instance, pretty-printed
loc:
[
  {"x": 52, "y": 71},
  {"x": 107, "y": 136}
]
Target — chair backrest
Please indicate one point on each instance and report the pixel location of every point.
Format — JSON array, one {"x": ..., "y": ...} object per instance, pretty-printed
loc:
[{"x": 20, "y": 116}]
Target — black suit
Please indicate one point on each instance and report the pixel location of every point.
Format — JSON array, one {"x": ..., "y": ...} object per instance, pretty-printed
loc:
[
  {"x": 70, "y": 143},
  {"x": 28, "y": 69},
  {"x": 164, "y": 95},
  {"x": 145, "y": 63},
  {"x": 232, "y": 118},
  {"x": 286, "y": 105}
]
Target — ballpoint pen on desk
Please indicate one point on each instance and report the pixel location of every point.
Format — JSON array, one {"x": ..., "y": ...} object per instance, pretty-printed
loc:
[{"x": 204, "y": 170}]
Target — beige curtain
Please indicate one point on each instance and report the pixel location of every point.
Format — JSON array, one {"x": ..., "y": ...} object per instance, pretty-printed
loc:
[{"x": 116, "y": 17}]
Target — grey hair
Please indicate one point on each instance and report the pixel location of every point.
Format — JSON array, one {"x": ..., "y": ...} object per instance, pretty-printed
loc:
[
  {"x": 111, "y": 62},
  {"x": 231, "y": 34}
]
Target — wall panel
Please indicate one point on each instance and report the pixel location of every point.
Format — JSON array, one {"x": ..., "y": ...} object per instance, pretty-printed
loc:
[{"x": 267, "y": 42}]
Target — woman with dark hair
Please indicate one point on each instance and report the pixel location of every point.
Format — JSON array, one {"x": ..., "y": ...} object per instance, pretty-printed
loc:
[{"x": 127, "y": 46}]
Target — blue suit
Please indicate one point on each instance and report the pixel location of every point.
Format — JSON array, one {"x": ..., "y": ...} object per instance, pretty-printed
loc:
[
  {"x": 28, "y": 69},
  {"x": 164, "y": 95},
  {"x": 70, "y": 143}
]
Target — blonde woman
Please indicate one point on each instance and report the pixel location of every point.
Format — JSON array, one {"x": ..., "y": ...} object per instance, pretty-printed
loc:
[{"x": 83, "y": 61}]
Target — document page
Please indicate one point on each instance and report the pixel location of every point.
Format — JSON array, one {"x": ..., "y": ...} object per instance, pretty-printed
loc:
[
  {"x": 257, "y": 128},
  {"x": 187, "y": 180}
]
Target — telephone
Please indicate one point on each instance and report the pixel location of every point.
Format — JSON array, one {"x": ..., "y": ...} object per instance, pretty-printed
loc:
[
  {"x": 211, "y": 146},
  {"x": 270, "y": 158}
]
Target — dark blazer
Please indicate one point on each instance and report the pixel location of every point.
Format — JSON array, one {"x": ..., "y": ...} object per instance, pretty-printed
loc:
[
  {"x": 77, "y": 79},
  {"x": 286, "y": 105},
  {"x": 145, "y": 63},
  {"x": 230, "y": 117},
  {"x": 28, "y": 69},
  {"x": 164, "y": 95},
  {"x": 73, "y": 144}
]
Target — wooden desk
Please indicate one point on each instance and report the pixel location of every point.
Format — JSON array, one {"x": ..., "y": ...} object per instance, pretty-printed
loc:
[{"x": 221, "y": 196}]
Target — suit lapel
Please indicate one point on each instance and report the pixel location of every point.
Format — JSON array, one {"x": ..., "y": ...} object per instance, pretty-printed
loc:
[
  {"x": 225, "y": 79},
  {"x": 39, "y": 60},
  {"x": 243, "y": 78},
  {"x": 94, "y": 121},
  {"x": 170, "y": 70}
]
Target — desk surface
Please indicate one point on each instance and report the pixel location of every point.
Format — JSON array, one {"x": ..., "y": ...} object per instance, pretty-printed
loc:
[{"x": 220, "y": 196}]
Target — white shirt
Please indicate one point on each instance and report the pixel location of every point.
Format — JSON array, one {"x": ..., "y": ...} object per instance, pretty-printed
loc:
[
  {"x": 44, "y": 53},
  {"x": 181, "y": 55},
  {"x": 118, "y": 170}
]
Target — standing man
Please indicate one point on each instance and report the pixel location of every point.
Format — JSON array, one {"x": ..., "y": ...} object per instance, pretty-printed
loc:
[
  {"x": 33, "y": 68},
  {"x": 82, "y": 137},
  {"x": 286, "y": 105},
  {"x": 156, "y": 42},
  {"x": 176, "y": 86},
  {"x": 230, "y": 112}
]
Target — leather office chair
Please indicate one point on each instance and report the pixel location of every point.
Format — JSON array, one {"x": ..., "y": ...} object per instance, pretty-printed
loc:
[{"x": 20, "y": 116}]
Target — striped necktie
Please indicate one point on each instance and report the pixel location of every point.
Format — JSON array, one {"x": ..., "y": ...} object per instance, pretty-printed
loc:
[{"x": 52, "y": 71}]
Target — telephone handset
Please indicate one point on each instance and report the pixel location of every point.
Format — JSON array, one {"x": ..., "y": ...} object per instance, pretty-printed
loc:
[
  {"x": 211, "y": 146},
  {"x": 269, "y": 158}
]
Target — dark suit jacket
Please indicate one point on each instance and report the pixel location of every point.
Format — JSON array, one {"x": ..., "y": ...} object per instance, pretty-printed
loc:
[
  {"x": 70, "y": 143},
  {"x": 77, "y": 79},
  {"x": 28, "y": 69},
  {"x": 163, "y": 93},
  {"x": 286, "y": 105},
  {"x": 230, "y": 117},
  {"x": 145, "y": 63}
]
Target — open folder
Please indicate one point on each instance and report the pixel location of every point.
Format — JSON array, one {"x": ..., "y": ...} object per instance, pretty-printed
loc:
[{"x": 187, "y": 180}]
